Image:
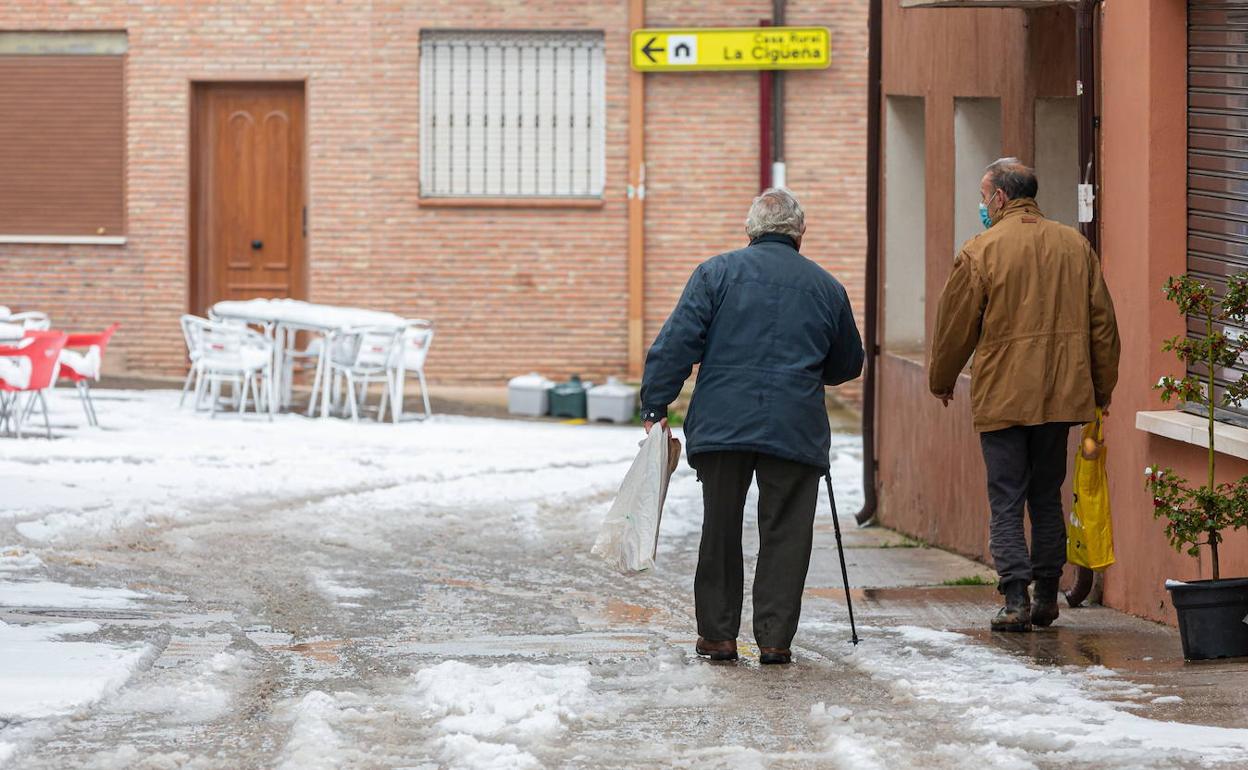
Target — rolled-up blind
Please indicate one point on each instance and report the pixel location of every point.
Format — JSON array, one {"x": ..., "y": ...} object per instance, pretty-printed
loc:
[
  {"x": 62, "y": 145},
  {"x": 1217, "y": 158},
  {"x": 507, "y": 114}
]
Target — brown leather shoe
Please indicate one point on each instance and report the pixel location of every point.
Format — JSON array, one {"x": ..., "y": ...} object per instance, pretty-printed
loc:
[
  {"x": 771, "y": 655},
  {"x": 717, "y": 650}
]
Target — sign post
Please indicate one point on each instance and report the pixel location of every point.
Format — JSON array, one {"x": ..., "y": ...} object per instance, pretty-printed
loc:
[{"x": 736, "y": 48}]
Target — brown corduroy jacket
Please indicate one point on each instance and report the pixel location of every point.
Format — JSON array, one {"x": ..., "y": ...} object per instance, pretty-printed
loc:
[{"x": 1028, "y": 299}]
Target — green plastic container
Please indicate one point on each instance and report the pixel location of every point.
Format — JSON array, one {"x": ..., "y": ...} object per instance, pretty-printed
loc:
[{"x": 567, "y": 399}]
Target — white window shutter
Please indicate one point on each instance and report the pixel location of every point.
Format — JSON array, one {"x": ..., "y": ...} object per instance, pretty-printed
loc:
[{"x": 512, "y": 114}]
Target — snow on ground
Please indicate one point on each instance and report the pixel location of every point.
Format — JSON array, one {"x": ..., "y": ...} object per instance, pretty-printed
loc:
[
  {"x": 201, "y": 694},
  {"x": 1011, "y": 710},
  {"x": 313, "y": 742},
  {"x": 43, "y": 675},
  {"x": 22, "y": 585},
  {"x": 485, "y": 714},
  {"x": 334, "y": 586},
  {"x": 502, "y": 716},
  {"x": 153, "y": 463},
  {"x": 516, "y": 700},
  {"x": 45, "y": 593},
  {"x": 15, "y": 559},
  {"x": 351, "y": 485}
]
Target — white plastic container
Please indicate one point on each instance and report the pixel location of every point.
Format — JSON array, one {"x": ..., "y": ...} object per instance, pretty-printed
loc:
[
  {"x": 613, "y": 402},
  {"x": 529, "y": 395}
]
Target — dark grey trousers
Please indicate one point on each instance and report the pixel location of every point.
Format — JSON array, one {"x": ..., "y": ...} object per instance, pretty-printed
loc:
[
  {"x": 1027, "y": 465},
  {"x": 787, "y": 492}
]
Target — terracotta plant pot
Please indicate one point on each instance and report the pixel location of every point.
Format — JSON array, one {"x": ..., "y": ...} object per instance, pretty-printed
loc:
[{"x": 1213, "y": 617}]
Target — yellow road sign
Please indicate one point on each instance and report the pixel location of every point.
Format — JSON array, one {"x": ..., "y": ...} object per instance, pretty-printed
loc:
[{"x": 740, "y": 48}]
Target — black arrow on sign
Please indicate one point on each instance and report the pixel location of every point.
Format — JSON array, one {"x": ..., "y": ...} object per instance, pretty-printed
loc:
[{"x": 649, "y": 50}]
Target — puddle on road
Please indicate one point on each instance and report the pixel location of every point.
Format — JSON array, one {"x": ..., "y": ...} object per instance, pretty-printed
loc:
[{"x": 895, "y": 599}]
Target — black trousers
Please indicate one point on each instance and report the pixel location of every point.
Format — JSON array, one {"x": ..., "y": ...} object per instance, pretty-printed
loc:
[
  {"x": 787, "y": 492},
  {"x": 1027, "y": 466}
]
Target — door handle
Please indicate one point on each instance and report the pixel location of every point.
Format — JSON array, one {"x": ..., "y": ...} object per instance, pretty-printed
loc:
[{"x": 257, "y": 245}]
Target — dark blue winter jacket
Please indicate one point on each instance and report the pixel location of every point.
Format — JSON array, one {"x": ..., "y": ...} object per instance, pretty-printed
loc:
[{"x": 770, "y": 329}]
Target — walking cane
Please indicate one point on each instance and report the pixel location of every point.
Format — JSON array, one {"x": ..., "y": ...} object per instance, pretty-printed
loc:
[{"x": 836, "y": 525}]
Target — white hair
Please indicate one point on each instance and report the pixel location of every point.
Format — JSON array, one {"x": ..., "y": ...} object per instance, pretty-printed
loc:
[{"x": 775, "y": 211}]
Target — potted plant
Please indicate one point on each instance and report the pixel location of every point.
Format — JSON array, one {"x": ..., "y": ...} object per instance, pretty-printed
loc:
[{"x": 1213, "y": 614}]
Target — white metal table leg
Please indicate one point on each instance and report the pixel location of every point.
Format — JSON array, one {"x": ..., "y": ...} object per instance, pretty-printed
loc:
[{"x": 325, "y": 380}]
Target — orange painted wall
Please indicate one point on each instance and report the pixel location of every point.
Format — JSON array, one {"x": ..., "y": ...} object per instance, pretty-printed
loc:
[
  {"x": 931, "y": 471},
  {"x": 1143, "y": 232},
  {"x": 930, "y": 467}
]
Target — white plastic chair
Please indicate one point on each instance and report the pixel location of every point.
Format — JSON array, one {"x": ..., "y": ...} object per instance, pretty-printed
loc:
[
  {"x": 307, "y": 359},
  {"x": 31, "y": 320},
  {"x": 228, "y": 353},
  {"x": 191, "y": 326},
  {"x": 359, "y": 354},
  {"x": 410, "y": 356}
]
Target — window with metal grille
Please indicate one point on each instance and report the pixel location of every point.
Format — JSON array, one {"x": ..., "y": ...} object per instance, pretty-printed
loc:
[
  {"x": 1217, "y": 161},
  {"x": 512, "y": 114}
]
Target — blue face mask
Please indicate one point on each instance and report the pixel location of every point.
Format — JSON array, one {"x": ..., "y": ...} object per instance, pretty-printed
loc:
[{"x": 983, "y": 215}]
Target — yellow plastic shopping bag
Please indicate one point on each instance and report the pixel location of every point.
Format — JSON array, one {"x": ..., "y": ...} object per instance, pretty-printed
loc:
[{"x": 1090, "y": 531}]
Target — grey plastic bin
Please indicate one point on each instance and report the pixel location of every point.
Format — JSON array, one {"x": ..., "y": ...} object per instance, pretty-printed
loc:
[
  {"x": 529, "y": 395},
  {"x": 613, "y": 402}
]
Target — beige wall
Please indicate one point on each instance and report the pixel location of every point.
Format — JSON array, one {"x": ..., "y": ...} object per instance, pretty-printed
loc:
[
  {"x": 1057, "y": 158},
  {"x": 905, "y": 219}
]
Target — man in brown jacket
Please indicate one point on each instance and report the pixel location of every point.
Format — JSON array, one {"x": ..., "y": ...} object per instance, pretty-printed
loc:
[{"x": 1028, "y": 299}]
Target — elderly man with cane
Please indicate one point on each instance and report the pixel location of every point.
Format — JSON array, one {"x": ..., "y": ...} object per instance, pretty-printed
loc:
[
  {"x": 1027, "y": 297},
  {"x": 768, "y": 329}
]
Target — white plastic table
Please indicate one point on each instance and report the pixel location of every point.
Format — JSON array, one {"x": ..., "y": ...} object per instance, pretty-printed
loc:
[{"x": 282, "y": 319}]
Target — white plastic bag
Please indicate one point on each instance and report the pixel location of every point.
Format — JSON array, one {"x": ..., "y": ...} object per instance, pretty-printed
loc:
[{"x": 629, "y": 538}]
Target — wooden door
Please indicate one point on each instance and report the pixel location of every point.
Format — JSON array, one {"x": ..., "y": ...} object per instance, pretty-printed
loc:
[{"x": 248, "y": 217}]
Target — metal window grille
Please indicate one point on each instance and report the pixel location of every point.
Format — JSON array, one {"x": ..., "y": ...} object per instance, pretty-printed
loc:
[
  {"x": 511, "y": 114},
  {"x": 1217, "y": 160}
]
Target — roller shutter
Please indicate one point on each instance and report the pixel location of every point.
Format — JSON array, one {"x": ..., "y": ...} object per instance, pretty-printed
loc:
[
  {"x": 62, "y": 145},
  {"x": 1217, "y": 158}
]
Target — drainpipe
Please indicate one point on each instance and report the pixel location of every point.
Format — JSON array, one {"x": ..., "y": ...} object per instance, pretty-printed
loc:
[
  {"x": 1089, "y": 123},
  {"x": 636, "y": 204},
  {"x": 874, "y": 58},
  {"x": 766, "y": 117},
  {"x": 779, "y": 172}
]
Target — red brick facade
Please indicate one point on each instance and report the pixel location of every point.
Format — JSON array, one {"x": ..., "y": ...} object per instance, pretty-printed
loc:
[{"x": 510, "y": 290}]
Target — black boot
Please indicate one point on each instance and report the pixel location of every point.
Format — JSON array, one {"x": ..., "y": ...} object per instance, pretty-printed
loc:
[
  {"x": 1044, "y": 608},
  {"x": 1016, "y": 614}
]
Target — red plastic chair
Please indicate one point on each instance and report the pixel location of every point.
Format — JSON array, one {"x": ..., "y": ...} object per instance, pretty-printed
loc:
[
  {"x": 40, "y": 354},
  {"x": 84, "y": 368}
]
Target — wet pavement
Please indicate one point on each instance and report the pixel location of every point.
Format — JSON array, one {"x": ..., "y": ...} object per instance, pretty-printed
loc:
[{"x": 369, "y": 628}]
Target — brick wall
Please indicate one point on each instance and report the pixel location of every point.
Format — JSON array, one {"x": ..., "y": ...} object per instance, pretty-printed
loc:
[{"x": 510, "y": 290}]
